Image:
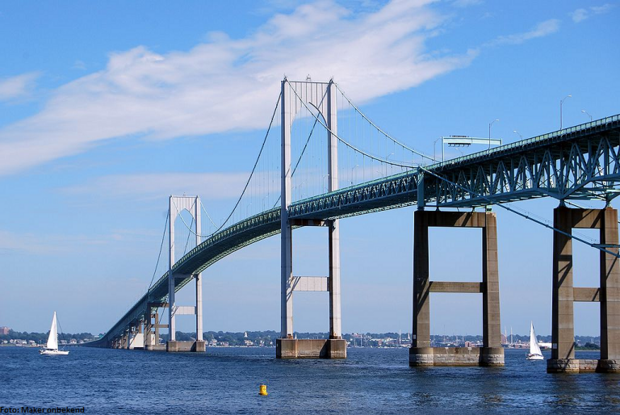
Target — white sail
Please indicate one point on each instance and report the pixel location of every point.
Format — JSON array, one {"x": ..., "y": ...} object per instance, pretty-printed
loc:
[
  {"x": 52, "y": 340},
  {"x": 534, "y": 348},
  {"x": 51, "y": 348}
]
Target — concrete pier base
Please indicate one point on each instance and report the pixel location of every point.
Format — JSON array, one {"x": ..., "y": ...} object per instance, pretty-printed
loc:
[
  {"x": 583, "y": 366},
  {"x": 456, "y": 356},
  {"x": 311, "y": 348},
  {"x": 198, "y": 346},
  {"x": 155, "y": 347},
  {"x": 608, "y": 366}
]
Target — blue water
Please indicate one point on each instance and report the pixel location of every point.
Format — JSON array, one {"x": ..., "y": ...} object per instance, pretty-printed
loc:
[{"x": 226, "y": 380}]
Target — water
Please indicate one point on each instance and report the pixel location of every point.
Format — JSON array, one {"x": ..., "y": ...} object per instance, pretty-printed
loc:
[{"x": 226, "y": 380}]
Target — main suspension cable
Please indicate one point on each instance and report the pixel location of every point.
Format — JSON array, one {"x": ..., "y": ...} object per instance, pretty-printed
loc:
[
  {"x": 275, "y": 110},
  {"x": 380, "y": 130},
  {"x": 161, "y": 247}
]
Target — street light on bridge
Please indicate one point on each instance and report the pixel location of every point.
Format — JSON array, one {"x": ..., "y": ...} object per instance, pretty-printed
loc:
[
  {"x": 518, "y": 133},
  {"x": 587, "y": 113},
  {"x": 434, "y": 154},
  {"x": 562, "y": 102},
  {"x": 490, "y": 124}
]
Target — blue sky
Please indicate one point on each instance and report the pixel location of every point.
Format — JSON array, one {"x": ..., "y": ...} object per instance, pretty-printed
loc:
[{"x": 108, "y": 108}]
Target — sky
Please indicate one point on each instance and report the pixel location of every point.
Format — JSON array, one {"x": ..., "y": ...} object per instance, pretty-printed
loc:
[{"x": 108, "y": 108}]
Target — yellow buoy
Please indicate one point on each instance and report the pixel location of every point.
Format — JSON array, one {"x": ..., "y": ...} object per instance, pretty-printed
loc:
[{"x": 262, "y": 390}]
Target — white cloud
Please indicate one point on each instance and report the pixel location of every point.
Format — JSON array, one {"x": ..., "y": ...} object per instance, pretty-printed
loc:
[
  {"x": 79, "y": 65},
  {"x": 17, "y": 86},
  {"x": 466, "y": 3},
  {"x": 580, "y": 15},
  {"x": 227, "y": 84},
  {"x": 152, "y": 186},
  {"x": 50, "y": 244},
  {"x": 540, "y": 30}
]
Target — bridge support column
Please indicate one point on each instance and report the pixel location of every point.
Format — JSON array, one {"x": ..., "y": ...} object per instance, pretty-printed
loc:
[
  {"x": 124, "y": 339},
  {"x": 564, "y": 293},
  {"x": 152, "y": 326},
  {"x": 129, "y": 337},
  {"x": 148, "y": 330},
  {"x": 421, "y": 352},
  {"x": 137, "y": 341}
]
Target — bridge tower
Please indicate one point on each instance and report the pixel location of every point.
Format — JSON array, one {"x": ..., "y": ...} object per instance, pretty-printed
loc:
[
  {"x": 176, "y": 205},
  {"x": 322, "y": 96}
]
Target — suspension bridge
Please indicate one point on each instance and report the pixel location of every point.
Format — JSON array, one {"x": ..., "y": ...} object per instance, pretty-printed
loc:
[{"x": 323, "y": 160}]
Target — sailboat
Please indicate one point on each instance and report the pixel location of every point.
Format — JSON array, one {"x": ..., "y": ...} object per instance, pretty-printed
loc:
[
  {"x": 535, "y": 353},
  {"x": 51, "y": 349}
]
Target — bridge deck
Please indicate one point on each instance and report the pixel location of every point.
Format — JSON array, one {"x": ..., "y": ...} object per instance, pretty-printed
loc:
[{"x": 576, "y": 162}]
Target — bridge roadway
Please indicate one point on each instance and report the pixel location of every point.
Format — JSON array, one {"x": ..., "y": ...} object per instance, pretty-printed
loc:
[{"x": 581, "y": 162}]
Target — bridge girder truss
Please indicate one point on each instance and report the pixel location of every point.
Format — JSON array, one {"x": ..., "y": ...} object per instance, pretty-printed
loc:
[{"x": 587, "y": 168}]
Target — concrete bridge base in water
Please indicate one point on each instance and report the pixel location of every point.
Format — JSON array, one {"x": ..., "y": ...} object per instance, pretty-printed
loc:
[
  {"x": 565, "y": 294},
  {"x": 186, "y": 346},
  {"x": 311, "y": 348},
  {"x": 421, "y": 352},
  {"x": 456, "y": 356}
]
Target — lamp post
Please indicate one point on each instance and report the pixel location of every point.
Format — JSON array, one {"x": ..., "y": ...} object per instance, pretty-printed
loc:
[
  {"x": 561, "y": 103},
  {"x": 518, "y": 133},
  {"x": 587, "y": 113},
  {"x": 490, "y": 124},
  {"x": 434, "y": 154}
]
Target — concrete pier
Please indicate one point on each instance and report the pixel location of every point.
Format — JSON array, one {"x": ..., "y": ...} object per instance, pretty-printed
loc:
[
  {"x": 186, "y": 346},
  {"x": 421, "y": 352},
  {"x": 456, "y": 356},
  {"x": 137, "y": 340},
  {"x": 564, "y": 294},
  {"x": 311, "y": 348},
  {"x": 152, "y": 326}
]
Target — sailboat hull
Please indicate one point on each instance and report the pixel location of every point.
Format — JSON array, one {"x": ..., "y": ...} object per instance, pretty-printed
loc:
[
  {"x": 47, "y": 352},
  {"x": 535, "y": 357}
]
